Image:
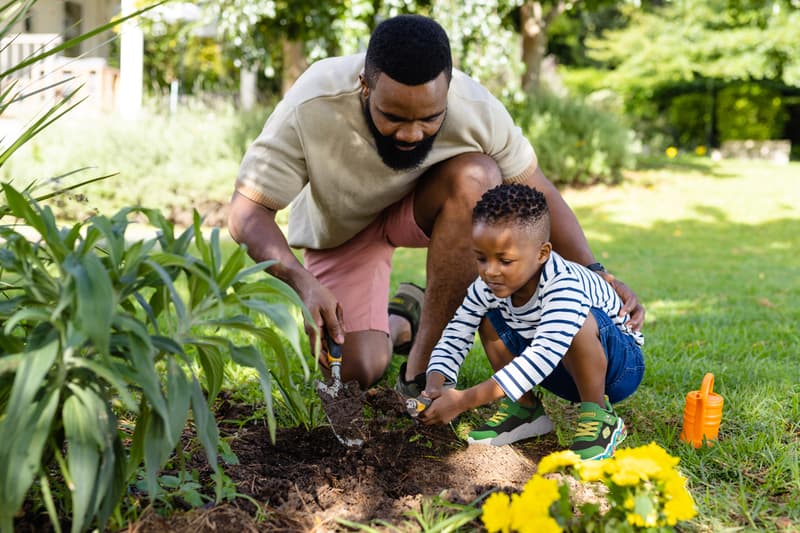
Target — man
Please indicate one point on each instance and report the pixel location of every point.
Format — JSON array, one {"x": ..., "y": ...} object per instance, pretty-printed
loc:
[{"x": 377, "y": 151}]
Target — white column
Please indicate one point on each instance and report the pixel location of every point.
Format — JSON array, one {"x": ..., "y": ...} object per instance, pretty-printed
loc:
[
  {"x": 247, "y": 88},
  {"x": 131, "y": 65}
]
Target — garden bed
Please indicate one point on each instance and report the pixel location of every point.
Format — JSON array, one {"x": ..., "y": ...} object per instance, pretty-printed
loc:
[{"x": 308, "y": 480}]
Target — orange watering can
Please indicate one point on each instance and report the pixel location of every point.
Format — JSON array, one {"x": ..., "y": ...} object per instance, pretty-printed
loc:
[{"x": 702, "y": 414}]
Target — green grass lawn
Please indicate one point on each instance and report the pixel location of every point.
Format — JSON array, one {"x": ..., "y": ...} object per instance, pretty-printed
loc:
[{"x": 711, "y": 250}]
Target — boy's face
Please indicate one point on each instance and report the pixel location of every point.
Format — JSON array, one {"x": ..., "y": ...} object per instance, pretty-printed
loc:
[{"x": 509, "y": 257}]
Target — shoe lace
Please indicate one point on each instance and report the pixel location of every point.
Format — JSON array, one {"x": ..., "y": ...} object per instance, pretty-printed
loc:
[
  {"x": 587, "y": 428},
  {"x": 498, "y": 417}
]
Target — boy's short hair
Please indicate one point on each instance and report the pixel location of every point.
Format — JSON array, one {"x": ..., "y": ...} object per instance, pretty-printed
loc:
[
  {"x": 410, "y": 49},
  {"x": 513, "y": 204}
]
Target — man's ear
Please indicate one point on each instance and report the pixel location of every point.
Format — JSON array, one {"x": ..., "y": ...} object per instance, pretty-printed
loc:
[
  {"x": 544, "y": 252},
  {"x": 364, "y": 85}
]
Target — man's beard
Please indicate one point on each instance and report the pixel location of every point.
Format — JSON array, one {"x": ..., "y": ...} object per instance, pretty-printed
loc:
[{"x": 393, "y": 157}]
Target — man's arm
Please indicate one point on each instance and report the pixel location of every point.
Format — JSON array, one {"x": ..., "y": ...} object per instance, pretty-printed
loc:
[
  {"x": 569, "y": 240},
  {"x": 254, "y": 225}
]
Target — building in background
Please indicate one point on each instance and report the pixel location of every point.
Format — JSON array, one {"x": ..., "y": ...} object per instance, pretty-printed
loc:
[{"x": 48, "y": 24}]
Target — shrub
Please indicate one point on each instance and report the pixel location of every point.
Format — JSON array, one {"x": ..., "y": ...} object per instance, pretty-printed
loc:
[
  {"x": 750, "y": 111},
  {"x": 690, "y": 118},
  {"x": 577, "y": 144}
]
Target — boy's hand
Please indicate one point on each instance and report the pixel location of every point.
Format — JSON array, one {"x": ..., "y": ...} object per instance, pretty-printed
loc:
[
  {"x": 433, "y": 385},
  {"x": 444, "y": 408}
]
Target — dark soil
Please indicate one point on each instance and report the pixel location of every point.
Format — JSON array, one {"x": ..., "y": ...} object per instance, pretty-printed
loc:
[{"x": 309, "y": 479}]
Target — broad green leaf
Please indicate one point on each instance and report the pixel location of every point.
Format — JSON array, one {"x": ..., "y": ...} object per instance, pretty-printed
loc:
[
  {"x": 28, "y": 417},
  {"x": 110, "y": 376},
  {"x": 95, "y": 298},
  {"x": 176, "y": 300},
  {"x": 141, "y": 360},
  {"x": 205, "y": 425},
  {"x": 281, "y": 316},
  {"x": 83, "y": 457},
  {"x": 21, "y": 208},
  {"x": 231, "y": 268},
  {"x": 32, "y": 314},
  {"x": 213, "y": 365},
  {"x": 114, "y": 243},
  {"x": 157, "y": 449},
  {"x": 251, "y": 357},
  {"x": 178, "y": 399}
]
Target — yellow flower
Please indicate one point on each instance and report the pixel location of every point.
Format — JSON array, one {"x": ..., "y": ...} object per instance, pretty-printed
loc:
[
  {"x": 496, "y": 513},
  {"x": 540, "y": 524},
  {"x": 671, "y": 152},
  {"x": 545, "y": 490},
  {"x": 593, "y": 470},
  {"x": 556, "y": 460},
  {"x": 638, "y": 520},
  {"x": 653, "y": 458},
  {"x": 679, "y": 504},
  {"x": 700, "y": 150},
  {"x": 534, "y": 502}
]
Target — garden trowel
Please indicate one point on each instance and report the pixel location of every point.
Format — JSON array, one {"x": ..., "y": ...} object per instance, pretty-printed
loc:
[{"x": 341, "y": 402}]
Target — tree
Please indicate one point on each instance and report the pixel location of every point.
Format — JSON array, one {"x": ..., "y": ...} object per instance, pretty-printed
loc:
[
  {"x": 535, "y": 20},
  {"x": 698, "y": 47}
]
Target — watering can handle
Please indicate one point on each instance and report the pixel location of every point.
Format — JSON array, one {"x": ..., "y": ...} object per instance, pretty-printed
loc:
[{"x": 707, "y": 386}]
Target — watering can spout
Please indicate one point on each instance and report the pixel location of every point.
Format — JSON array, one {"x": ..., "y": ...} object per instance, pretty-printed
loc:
[{"x": 702, "y": 414}]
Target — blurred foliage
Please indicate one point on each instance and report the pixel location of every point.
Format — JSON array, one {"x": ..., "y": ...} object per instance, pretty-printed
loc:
[
  {"x": 174, "y": 51},
  {"x": 699, "y": 47},
  {"x": 577, "y": 144},
  {"x": 750, "y": 111}
]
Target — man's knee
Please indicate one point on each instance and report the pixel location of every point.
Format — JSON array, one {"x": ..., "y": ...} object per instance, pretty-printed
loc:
[
  {"x": 471, "y": 174},
  {"x": 454, "y": 186}
]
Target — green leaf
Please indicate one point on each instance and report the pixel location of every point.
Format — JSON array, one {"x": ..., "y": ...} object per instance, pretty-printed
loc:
[
  {"x": 251, "y": 357},
  {"x": 110, "y": 376},
  {"x": 177, "y": 301},
  {"x": 206, "y": 426},
  {"x": 28, "y": 417},
  {"x": 83, "y": 457},
  {"x": 95, "y": 298},
  {"x": 213, "y": 364},
  {"x": 178, "y": 398}
]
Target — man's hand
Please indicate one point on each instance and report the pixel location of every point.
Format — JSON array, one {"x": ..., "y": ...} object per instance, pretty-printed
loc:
[
  {"x": 444, "y": 408},
  {"x": 630, "y": 302},
  {"x": 326, "y": 312}
]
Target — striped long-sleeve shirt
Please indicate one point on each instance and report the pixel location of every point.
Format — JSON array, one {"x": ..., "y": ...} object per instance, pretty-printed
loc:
[{"x": 549, "y": 321}]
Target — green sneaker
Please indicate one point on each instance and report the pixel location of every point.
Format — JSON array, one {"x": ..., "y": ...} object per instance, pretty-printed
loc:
[
  {"x": 512, "y": 422},
  {"x": 599, "y": 431}
]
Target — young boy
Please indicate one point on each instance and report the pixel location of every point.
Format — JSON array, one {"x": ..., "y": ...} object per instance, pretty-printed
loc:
[{"x": 544, "y": 321}]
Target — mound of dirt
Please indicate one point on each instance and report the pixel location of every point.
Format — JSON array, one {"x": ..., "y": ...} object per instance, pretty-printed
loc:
[{"x": 308, "y": 480}]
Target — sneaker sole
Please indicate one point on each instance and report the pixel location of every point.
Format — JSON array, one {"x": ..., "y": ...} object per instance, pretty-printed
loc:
[
  {"x": 535, "y": 428},
  {"x": 616, "y": 439}
]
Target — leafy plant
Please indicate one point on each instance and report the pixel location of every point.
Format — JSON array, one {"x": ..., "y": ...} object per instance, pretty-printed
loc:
[{"x": 93, "y": 325}]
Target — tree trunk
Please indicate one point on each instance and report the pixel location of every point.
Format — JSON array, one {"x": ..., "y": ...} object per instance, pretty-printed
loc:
[
  {"x": 534, "y": 21},
  {"x": 294, "y": 63}
]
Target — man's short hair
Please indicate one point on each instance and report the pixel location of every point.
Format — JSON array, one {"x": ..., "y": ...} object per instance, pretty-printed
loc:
[
  {"x": 410, "y": 49},
  {"x": 513, "y": 204}
]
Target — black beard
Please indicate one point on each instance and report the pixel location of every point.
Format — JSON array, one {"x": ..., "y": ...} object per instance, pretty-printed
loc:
[{"x": 387, "y": 147}]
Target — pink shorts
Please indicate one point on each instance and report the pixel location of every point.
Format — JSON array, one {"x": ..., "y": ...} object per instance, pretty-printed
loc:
[{"x": 358, "y": 271}]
